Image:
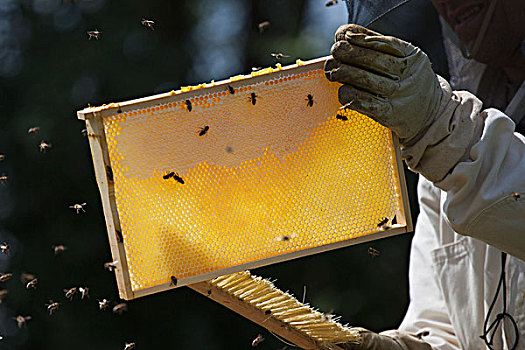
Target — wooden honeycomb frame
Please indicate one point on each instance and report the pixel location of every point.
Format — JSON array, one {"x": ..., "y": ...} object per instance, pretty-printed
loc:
[{"x": 105, "y": 131}]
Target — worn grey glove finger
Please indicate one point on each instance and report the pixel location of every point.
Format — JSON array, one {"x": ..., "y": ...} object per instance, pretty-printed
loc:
[
  {"x": 359, "y": 78},
  {"x": 390, "y": 340},
  {"x": 377, "y": 62},
  {"x": 365, "y": 37}
]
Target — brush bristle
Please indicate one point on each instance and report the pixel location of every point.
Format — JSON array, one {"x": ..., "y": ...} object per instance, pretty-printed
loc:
[{"x": 262, "y": 294}]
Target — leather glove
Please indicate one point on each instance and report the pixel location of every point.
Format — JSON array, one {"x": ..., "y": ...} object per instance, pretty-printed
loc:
[
  {"x": 385, "y": 78},
  {"x": 389, "y": 340}
]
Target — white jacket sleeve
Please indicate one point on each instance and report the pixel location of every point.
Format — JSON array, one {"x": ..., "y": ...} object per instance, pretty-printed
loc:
[
  {"x": 478, "y": 160},
  {"x": 427, "y": 311}
]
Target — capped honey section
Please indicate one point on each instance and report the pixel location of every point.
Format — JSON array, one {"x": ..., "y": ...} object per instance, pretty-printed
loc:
[{"x": 245, "y": 174}]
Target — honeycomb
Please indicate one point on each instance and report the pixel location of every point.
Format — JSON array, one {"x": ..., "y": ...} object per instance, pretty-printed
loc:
[{"x": 265, "y": 172}]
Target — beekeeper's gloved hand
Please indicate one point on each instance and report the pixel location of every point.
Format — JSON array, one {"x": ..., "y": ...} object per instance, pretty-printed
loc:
[
  {"x": 389, "y": 340},
  {"x": 385, "y": 78}
]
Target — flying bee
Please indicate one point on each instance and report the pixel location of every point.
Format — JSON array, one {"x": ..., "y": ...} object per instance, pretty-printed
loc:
[
  {"x": 57, "y": 249},
  {"x": 33, "y": 130},
  {"x": 129, "y": 346},
  {"x": 279, "y": 56},
  {"x": 21, "y": 320},
  {"x": 173, "y": 280},
  {"x": 110, "y": 266},
  {"x": 341, "y": 117},
  {"x": 70, "y": 292},
  {"x": 231, "y": 90},
  {"x": 253, "y": 98},
  {"x": 78, "y": 207},
  {"x": 3, "y": 294},
  {"x": 178, "y": 178},
  {"x": 167, "y": 176},
  {"x": 44, "y": 146},
  {"x": 258, "y": 340},
  {"x": 263, "y": 26},
  {"x": 148, "y": 23},
  {"x": 94, "y": 34},
  {"x": 103, "y": 304},
  {"x": 188, "y": 105},
  {"x": 203, "y": 130},
  {"x": 32, "y": 284},
  {"x": 3, "y": 179},
  {"x": 516, "y": 195},
  {"x": 4, "y": 247},
  {"x": 255, "y": 69},
  {"x": 119, "y": 309},
  {"x": 52, "y": 306},
  {"x": 4, "y": 277},
  {"x": 310, "y": 100},
  {"x": 84, "y": 292},
  {"x": 2, "y": 157},
  {"x": 330, "y": 3},
  {"x": 373, "y": 252}
]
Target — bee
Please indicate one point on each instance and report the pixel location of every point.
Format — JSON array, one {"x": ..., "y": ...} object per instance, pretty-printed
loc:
[
  {"x": 4, "y": 277},
  {"x": 148, "y": 23},
  {"x": 120, "y": 308},
  {"x": 258, "y": 340},
  {"x": 44, "y": 146},
  {"x": 228, "y": 149},
  {"x": 2, "y": 157},
  {"x": 253, "y": 98},
  {"x": 330, "y": 3},
  {"x": 279, "y": 56},
  {"x": 110, "y": 266},
  {"x": 373, "y": 252},
  {"x": 310, "y": 100},
  {"x": 188, "y": 105},
  {"x": 341, "y": 117},
  {"x": 516, "y": 195},
  {"x": 3, "y": 179},
  {"x": 178, "y": 178},
  {"x": 103, "y": 304},
  {"x": 78, "y": 207},
  {"x": 173, "y": 280},
  {"x": 3, "y": 294},
  {"x": 263, "y": 26},
  {"x": 21, "y": 320},
  {"x": 84, "y": 292},
  {"x": 94, "y": 34},
  {"x": 52, "y": 306},
  {"x": 255, "y": 69},
  {"x": 167, "y": 176},
  {"x": 4, "y": 247},
  {"x": 84, "y": 132},
  {"x": 231, "y": 90},
  {"x": 383, "y": 224},
  {"x": 203, "y": 130},
  {"x": 285, "y": 238},
  {"x": 57, "y": 249},
  {"x": 32, "y": 284},
  {"x": 33, "y": 130},
  {"x": 70, "y": 292},
  {"x": 129, "y": 346}
]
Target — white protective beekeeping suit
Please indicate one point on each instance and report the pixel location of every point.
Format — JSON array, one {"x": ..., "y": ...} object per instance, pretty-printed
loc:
[{"x": 454, "y": 277}]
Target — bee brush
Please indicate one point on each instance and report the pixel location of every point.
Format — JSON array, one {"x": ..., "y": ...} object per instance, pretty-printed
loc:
[{"x": 258, "y": 300}]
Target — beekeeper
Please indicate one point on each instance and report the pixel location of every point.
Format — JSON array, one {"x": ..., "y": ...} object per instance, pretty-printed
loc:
[{"x": 467, "y": 263}]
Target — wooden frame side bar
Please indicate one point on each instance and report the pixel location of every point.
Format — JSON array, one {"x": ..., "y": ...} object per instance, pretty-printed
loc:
[
  {"x": 104, "y": 176},
  {"x": 403, "y": 217}
]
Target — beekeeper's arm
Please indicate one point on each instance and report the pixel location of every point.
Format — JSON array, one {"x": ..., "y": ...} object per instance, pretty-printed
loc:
[{"x": 471, "y": 154}]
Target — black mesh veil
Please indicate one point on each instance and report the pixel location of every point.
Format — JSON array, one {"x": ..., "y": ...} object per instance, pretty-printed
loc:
[{"x": 415, "y": 21}]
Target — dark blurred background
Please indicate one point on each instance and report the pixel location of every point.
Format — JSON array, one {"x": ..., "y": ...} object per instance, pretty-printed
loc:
[{"x": 49, "y": 70}]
